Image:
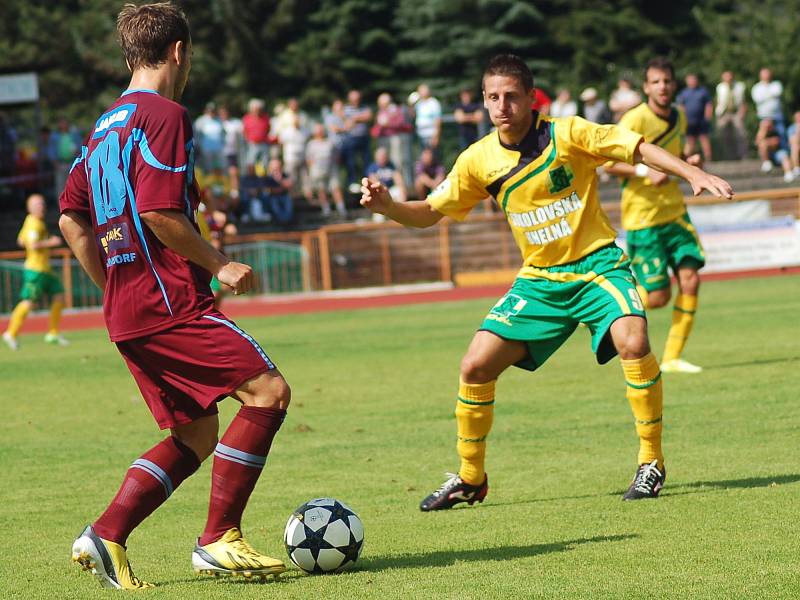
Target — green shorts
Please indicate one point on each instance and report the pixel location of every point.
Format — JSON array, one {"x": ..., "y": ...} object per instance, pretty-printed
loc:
[
  {"x": 216, "y": 286},
  {"x": 36, "y": 284},
  {"x": 672, "y": 244},
  {"x": 544, "y": 311}
]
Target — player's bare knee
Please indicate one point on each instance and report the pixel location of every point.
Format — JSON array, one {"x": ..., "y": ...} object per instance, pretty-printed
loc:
[
  {"x": 658, "y": 298},
  {"x": 633, "y": 346},
  {"x": 275, "y": 393},
  {"x": 474, "y": 370},
  {"x": 690, "y": 282}
]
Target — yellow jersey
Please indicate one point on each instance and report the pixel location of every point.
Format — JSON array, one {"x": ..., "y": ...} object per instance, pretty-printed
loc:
[
  {"x": 643, "y": 204},
  {"x": 546, "y": 186},
  {"x": 34, "y": 230}
]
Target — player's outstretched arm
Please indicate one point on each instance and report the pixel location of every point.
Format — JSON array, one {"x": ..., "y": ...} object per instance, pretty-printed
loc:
[
  {"x": 376, "y": 198},
  {"x": 657, "y": 157},
  {"x": 177, "y": 233},
  {"x": 79, "y": 235}
]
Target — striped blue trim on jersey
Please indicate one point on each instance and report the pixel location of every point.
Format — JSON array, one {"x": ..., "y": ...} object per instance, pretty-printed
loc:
[
  {"x": 79, "y": 159},
  {"x": 137, "y": 222},
  {"x": 237, "y": 456},
  {"x": 143, "y": 90},
  {"x": 246, "y": 336},
  {"x": 157, "y": 472}
]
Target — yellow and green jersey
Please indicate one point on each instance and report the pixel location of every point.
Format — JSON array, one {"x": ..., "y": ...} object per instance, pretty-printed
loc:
[
  {"x": 546, "y": 186},
  {"x": 643, "y": 204},
  {"x": 34, "y": 230}
]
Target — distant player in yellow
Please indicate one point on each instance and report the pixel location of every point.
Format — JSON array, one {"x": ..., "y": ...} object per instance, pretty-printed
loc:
[
  {"x": 39, "y": 279},
  {"x": 660, "y": 234},
  {"x": 542, "y": 172}
]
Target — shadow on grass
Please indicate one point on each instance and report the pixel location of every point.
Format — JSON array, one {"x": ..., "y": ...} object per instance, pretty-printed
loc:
[
  {"x": 698, "y": 487},
  {"x": 751, "y": 363},
  {"x": 447, "y": 558}
]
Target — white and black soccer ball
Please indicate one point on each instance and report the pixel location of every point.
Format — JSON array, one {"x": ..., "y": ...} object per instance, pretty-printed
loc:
[{"x": 323, "y": 535}]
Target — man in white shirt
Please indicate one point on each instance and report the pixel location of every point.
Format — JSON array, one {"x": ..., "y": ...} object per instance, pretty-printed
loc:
[
  {"x": 428, "y": 118},
  {"x": 730, "y": 110},
  {"x": 767, "y": 97}
]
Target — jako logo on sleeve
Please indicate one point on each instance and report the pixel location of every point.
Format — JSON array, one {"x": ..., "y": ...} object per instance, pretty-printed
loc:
[{"x": 118, "y": 117}]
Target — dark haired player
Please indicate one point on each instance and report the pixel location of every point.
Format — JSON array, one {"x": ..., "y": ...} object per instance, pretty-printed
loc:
[
  {"x": 541, "y": 171},
  {"x": 660, "y": 233},
  {"x": 128, "y": 213}
]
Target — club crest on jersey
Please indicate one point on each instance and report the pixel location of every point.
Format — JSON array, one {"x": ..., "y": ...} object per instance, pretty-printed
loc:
[
  {"x": 560, "y": 178},
  {"x": 118, "y": 117}
]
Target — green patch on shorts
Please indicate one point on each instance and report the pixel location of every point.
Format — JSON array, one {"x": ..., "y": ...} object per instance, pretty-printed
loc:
[
  {"x": 654, "y": 250},
  {"x": 216, "y": 286},
  {"x": 36, "y": 284},
  {"x": 544, "y": 311}
]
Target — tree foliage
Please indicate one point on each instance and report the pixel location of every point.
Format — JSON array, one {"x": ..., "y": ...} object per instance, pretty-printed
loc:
[{"x": 318, "y": 49}]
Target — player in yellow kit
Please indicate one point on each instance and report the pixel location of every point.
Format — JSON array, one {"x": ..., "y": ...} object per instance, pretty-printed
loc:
[
  {"x": 660, "y": 233},
  {"x": 541, "y": 171},
  {"x": 39, "y": 279}
]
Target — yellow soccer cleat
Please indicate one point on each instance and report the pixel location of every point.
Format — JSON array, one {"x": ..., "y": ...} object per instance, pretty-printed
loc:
[
  {"x": 233, "y": 555},
  {"x": 107, "y": 561},
  {"x": 678, "y": 365}
]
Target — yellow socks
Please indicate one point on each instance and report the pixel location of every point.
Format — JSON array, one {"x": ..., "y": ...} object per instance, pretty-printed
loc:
[
  {"x": 682, "y": 321},
  {"x": 474, "y": 415},
  {"x": 18, "y": 315},
  {"x": 55, "y": 317},
  {"x": 643, "y": 379}
]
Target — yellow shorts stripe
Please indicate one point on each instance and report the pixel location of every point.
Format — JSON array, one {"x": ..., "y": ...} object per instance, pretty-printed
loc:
[{"x": 615, "y": 293}]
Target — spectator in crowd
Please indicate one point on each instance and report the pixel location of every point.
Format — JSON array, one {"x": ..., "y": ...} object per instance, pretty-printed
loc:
[
  {"x": 256, "y": 126},
  {"x": 623, "y": 99},
  {"x": 563, "y": 105},
  {"x": 68, "y": 143},
  {"x": 541, "y": 101},
  {"x": 698, "y": 107},
  {"x": 293, "y": 137},
  {"x": 730, "y": 110},
  {"x": 215, "y": 191},
  {"x": 392, "y": 130},
  {"x": 429, "y": 173},
  {"x": 323, "y": 174},
  {"x": 771, "y": 151},
  {"x": 383, "y": 170},
  {"x": 278, "y": 187},
  {"x": 357, "y": 118},
  {"x": 288, "y": 117},
  {"x": 209, "y": 139},
  {"x": 594, "y": 109},
  {"x": 334, "y": 121},
  {"x": 469, "y": 116},
  {"x": 8, "y": 145},
  {"x": 427, "y": 118},
  {"x": 232, "y": 147},
  {"x": 793, "y": 133},
  {"x": 766, "y": 95},
  {"x": 253, "y": 196}
]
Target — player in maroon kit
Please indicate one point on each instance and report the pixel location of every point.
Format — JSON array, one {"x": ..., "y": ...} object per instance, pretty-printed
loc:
[{"x": 128, "y": 213}]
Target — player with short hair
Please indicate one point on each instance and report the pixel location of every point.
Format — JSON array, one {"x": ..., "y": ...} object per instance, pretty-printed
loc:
[
  {"x": 660, "y": 233},
  {"x": 542, "y": 173},
  {"x": 39, "y": 280},
  {"x": 128, "y": 213}
]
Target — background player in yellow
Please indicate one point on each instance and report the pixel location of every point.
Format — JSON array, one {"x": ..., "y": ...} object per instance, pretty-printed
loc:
[
  {"x": 39, "y": 279},
  {"x": 660, "y": 232},
  {"x": 542, "y": 171}
]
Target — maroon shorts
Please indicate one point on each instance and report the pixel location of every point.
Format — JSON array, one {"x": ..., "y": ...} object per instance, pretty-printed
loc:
[{"x": 184, "y": 371}]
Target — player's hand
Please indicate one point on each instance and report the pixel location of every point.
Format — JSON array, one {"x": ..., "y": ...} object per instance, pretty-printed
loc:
[
  {"x": 54, "y": 241},
  {"x": 375, "y": 196},
  {"x": 237, "y": 276},
  {"x": 656, "y": 177},
  {"x": 711, "y": 183}
]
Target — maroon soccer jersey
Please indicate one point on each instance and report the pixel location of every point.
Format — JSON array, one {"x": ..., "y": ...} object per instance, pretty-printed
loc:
[{"x": 138, "y": 158}]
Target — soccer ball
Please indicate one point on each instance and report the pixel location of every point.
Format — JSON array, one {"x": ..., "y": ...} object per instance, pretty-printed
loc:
[{"x": 323, "y": 535}]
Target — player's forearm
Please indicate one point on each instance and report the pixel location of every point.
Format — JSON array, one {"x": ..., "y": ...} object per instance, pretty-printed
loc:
[
  {"x": 657, "y": 157},
  {"x": 80, "y": 238},
  {"x": 621, "y": 170},
  {"x": 417, "y": 213},
  {"x": 175, "y": 231}
]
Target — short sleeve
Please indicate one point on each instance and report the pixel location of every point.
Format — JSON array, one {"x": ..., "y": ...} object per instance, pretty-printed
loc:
[
  {"x": 604, "y": 142},
  {"x": 164, "y": 162},
  {"x": 459, "y": 192},
  {"x": 76, "y": 191}
]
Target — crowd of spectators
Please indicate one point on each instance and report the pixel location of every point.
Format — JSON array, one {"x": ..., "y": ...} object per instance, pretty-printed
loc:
[{"x": 257, "y": 168}]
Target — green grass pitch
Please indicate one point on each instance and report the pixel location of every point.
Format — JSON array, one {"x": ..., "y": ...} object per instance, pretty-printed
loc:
[{"x": 371, "y": 424}]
